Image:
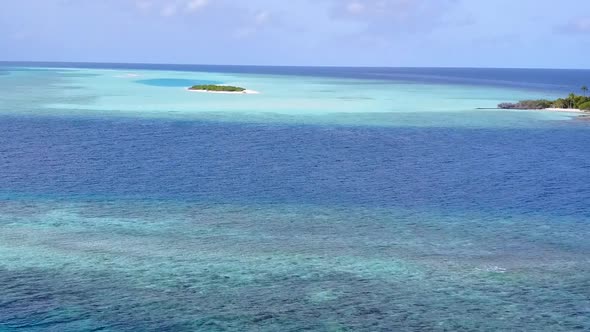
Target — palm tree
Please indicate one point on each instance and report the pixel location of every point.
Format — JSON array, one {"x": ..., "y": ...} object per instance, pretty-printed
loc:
[
  {"x": 571, "y": 99},
  {"x": 585, "y": 90}
]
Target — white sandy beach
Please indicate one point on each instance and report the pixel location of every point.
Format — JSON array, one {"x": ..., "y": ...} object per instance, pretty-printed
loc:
[
  {"x": 565, "y": 110},
  {"x": 548, "y": 110}
]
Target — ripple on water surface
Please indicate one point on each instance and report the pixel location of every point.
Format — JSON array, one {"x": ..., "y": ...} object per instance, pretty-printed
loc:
[
  {"x": 164, "y": 265},
  {"x": 126, "y": 224}
]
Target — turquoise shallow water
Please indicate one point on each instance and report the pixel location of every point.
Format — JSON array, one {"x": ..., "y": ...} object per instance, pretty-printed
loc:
[
  {"x": 174, "y": 82},
  {"x": 154, "y": 266},
  {"x": 292, "y": 99},
  {"x": 326, "y": 203}
]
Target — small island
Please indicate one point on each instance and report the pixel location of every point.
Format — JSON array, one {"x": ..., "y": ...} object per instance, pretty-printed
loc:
[
  {"x": 572, "y": 103},
  {"x": 212, "y": 88}
]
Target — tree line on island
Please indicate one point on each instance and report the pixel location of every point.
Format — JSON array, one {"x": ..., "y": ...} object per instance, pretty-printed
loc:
[
  {"x": 213, "y": 87},
  {"x": 572, "y": 101}
]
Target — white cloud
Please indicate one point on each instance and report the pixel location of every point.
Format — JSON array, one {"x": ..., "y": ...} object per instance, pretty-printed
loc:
[
  {"x": 355, "y": 7},
  {"x": 579, "y": 25},
  {"x": 169, "y": 10},
  {"x": 253, "y": 24},
  {"x": 262, "y": 17},
  {"x": 583, "y": 25},
  {"x": 143, "y": 5},
  {"x": 195, "y": 5},
  {"x": 394, "y": 15}
]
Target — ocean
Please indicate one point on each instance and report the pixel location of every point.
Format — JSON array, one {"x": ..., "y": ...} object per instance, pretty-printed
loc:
[{"x": 337, "y": 199}]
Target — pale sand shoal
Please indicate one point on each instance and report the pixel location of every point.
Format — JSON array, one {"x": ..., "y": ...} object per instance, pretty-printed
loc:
[{"x": 130, "y": 75}]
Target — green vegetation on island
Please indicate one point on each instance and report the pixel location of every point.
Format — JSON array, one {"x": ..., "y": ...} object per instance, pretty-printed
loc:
[
  {"x": 217, "y": 88},
  {"x": 572, "y": 101}
]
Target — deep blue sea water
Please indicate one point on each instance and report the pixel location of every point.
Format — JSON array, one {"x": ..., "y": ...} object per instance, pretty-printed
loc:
[
  {"x": 562, "y": 80},
  {"x": 135, "y": 224},
  {"x": 494, "y": 170}
]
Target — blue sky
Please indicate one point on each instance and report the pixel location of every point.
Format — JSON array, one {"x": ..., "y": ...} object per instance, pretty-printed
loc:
[{"x": 456, "y": 33}]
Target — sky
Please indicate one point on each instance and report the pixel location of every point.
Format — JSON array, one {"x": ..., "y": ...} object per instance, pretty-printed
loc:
[{"x": 388, "y": 33}]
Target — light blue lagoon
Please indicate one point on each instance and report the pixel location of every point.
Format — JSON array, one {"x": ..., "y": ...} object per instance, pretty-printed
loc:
[{"x": 294, "y": 99}]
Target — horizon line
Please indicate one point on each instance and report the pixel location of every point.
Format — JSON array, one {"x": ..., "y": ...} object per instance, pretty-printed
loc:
[{"x": 273, "y": 66}]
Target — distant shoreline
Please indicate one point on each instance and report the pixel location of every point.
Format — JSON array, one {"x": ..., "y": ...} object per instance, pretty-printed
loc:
[
  {"x": 551, "y": 109},
  {"x": 571, "y": 104}
]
